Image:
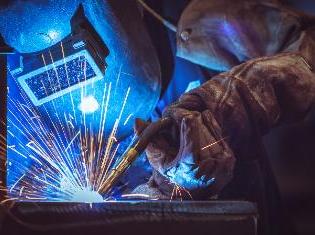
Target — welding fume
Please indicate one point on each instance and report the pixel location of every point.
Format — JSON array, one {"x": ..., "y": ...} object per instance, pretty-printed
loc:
[{"x": 172, "y": 101}]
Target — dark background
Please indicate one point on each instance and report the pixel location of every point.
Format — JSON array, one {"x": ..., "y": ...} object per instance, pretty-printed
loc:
[{"x": 291, "y": 151}]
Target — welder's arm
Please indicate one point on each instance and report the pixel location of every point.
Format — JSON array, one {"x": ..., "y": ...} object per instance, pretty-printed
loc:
[{"x": 221, "y": 121}]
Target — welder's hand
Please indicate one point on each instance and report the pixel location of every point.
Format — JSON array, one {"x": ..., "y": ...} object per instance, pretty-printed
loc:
[
  {"x": 192, "y": 153},
  {"x": 226, "y": 117}
]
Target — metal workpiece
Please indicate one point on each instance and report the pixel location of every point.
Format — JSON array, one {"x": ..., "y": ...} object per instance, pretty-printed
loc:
[{"x": 133, "y": 217}]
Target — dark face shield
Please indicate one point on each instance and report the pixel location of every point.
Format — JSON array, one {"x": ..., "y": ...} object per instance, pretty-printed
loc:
[{"x": 55, "y": 44}]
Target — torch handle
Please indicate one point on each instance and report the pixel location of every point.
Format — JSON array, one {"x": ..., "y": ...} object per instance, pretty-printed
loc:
[{"x": 131, "y": 155}]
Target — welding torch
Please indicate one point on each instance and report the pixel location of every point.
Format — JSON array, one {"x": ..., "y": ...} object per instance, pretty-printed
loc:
[{"x": 133, "y": 152}]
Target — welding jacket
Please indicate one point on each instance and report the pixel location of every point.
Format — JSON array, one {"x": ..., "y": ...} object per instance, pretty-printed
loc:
[{"x": 220, "y": 124}]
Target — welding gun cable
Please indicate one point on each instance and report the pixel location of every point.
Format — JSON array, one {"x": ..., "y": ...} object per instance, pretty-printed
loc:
[
  {"x": 165, "y": 22},
  {"x": 131, "y": 154}
]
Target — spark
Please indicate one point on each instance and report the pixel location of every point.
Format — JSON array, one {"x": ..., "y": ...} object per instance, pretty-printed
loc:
[
  {"x": 214, "y": 143},
  {"x": 8, "y": 200},
  {"x": 21, "y": 191},
  {"x": 17, "y": 182},
  {"x": 128, "y": 118},
  {"x": 68, "y": 80},
  {"x": 178, "y": 191}
]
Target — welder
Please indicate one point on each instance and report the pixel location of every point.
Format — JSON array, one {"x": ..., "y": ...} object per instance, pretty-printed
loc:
[{"x": 214, "y": 148}]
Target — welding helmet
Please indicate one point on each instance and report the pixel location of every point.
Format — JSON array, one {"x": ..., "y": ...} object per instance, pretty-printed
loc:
[{"x": 98, "y": 47}]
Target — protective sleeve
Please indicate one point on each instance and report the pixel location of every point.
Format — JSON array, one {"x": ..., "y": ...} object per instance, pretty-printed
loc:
[{"x": 221, "y": 120}]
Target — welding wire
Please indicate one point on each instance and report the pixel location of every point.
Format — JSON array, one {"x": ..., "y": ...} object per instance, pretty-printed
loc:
[{"x": 165, "y": 22}]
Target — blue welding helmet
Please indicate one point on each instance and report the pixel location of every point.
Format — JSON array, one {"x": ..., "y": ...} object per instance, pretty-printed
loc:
[{"x": 72, "y": 55}]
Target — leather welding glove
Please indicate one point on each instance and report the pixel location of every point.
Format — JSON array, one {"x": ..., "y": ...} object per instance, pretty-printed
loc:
[
  {"x": 221, "y": 121},
  {"x": 193, "y": 153}
]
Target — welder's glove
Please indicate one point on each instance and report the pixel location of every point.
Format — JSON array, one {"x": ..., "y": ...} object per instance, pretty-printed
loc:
[
  {"x": 193, "y": 153},
  {"x": 223, "y": 119}
]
